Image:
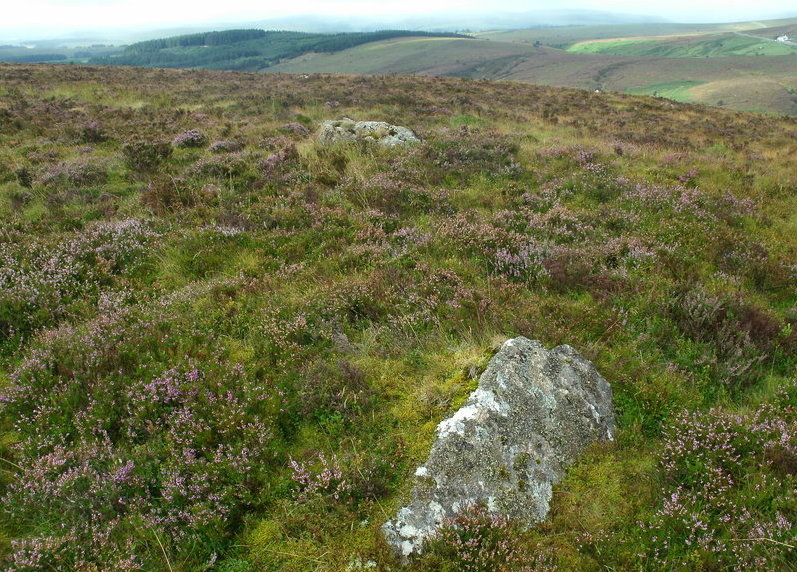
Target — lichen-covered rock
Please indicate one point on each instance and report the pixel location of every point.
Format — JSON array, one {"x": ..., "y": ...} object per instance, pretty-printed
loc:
[
  {"x": 348, "y": 130},
  {"x": 532, "y": 413}
]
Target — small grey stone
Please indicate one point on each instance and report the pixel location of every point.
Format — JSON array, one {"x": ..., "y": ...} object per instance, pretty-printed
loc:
[{"x": 533, "y": 412}]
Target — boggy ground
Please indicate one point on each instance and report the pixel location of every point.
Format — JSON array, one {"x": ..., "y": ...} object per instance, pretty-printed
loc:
[{"x": 225, "y": 347}]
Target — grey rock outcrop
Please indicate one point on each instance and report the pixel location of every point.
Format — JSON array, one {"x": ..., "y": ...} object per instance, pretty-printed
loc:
[
  {"x": 348, "y": 130},
  {"x": 533, "y": 412}
]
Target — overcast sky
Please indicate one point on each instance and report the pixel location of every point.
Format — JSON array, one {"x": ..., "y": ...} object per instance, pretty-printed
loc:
[{"x": 98, "y": 14}]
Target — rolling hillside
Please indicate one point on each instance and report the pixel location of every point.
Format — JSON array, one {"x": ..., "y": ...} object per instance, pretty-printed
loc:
[
  {"x": 443, "y": 56},
  {"x": 722, "y": 45},
  {"x": 743, "y": 72},
  {"x": 565, "y": 36}
]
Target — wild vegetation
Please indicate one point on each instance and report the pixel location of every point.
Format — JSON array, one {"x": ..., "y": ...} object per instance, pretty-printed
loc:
[{"x": 225, "y": 347}]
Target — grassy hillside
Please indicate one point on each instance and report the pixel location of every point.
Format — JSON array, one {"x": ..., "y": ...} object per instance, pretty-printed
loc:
[
  {"x": 767, "y": 84},
  {"x": 566, "y": 36},
  {"x": 428, "y": 56},
  {"x": 226, "y": 347}
]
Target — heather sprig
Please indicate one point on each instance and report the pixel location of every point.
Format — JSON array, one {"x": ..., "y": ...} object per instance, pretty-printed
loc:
[{"x": 323, "y": 478}]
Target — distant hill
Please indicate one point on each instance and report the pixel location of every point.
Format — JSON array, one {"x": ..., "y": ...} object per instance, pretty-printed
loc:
[
  {"x": 245, "y": 50},
  {"x": 737, "y": 65}
]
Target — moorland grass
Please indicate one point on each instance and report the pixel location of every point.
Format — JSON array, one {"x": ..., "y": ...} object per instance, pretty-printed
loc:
[{"x": 232, "y": 357}]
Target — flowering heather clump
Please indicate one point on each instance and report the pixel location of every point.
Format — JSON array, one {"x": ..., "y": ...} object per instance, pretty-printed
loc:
[
  {"x": 576, "y": 154},
  {"x": 275, "y": 143},
  {"x": 439, "y": 110},
  {"x": 473, "y": 235},
  {"x": 286, "y": 335},
  {"x": 557, "y": 224},
  {"x": 475, "y": 153},
  {"x": 192, "y": 138},
  {"x": 177, "y": 451},
  {"x": 730, "y": 493},
  {"x": 407, "y": 239},
  {"x": 93, "y": 132},
  {"x": 389, "y": 192},
  {"x": 731, "y": 208},
  {"x": 77, "y": 172},
  {"x": 223, "y": 166},
  {"x": 41, "y": 283},
  {"x": 146, "y": 156},
  {"x": 587, "y": 176},
  {"x": 718, "y": 486},
  {"x": 439, "y": 295},
  {"x": 44, "y": 154},
  {"x": 296, "y": 129},
  {"x": 524, "y": 264},
  {"x": 225, "y": 147},
  {"x": 477, "y": 540},
  {"x": 279, "y": 161},
  {"x": 680, "y": 200},
  {"x": 688, "y": 178}
]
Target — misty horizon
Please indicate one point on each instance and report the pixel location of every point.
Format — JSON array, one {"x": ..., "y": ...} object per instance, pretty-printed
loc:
[{"x": 507, "y": 15}]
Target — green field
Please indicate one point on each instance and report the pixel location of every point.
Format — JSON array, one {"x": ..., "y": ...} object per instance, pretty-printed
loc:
[
  {"x": 722, "y": 45},
  {"x": 677, "y": 91},
  {"x": 614, "y": 47}
]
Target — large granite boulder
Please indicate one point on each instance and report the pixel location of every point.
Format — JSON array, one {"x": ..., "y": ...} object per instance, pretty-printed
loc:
[
  {"x": 348, "y": 130},
  {"x": 533, "y": 412}
]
